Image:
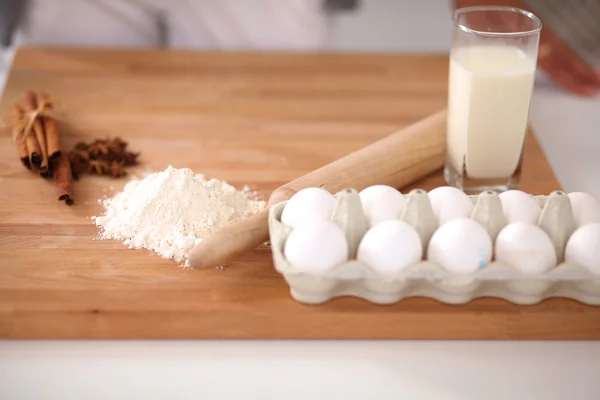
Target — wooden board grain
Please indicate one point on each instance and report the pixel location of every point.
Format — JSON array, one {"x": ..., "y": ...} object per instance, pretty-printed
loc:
[{"x": 249, "y": 119}]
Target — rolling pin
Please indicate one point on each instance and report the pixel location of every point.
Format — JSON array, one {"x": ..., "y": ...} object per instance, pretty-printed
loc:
[{"x": 396, "y": 160}]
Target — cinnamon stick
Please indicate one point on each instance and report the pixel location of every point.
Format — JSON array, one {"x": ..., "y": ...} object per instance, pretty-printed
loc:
[
  {"x": 17, "y": 114},
  {"x": 34, "y": 151},
  {"x": 50, "y": 126},
  {"x": 23, "y": 154},
  {"x": 63, "y": 179},
  {"x": 29, "y": 99},
  {"x": 52, "y": 137}
]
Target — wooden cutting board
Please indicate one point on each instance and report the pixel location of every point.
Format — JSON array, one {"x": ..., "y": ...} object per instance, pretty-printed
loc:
[{"x": 249, "y": 119}]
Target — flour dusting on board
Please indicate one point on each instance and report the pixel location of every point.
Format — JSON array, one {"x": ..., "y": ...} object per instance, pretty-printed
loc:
[{"x": 168, "y": 212}]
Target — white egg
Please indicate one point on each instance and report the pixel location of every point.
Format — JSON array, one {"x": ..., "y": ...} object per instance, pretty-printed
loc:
[
  {"x": 461, "y": 246},
  {"x": 526, "y": 248},
  {"x": 586, "y": 209},
  {"x": 390, "y": 246},
  {"x": 316, "y": 246},
  {"x": 308, "y": 204},
  {"x": 519, "y": 206},
  {"x": 381, "y": 203},
  {"x": 583, "y": 247},
  {"x": 450, "y": 203}
]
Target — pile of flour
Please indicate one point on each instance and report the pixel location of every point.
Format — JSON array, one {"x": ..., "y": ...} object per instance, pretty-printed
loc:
[{"x": 168, "y": 212}]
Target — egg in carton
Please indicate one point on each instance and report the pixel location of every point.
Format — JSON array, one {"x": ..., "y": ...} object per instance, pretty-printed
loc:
[{"x": 428, "y": 279}]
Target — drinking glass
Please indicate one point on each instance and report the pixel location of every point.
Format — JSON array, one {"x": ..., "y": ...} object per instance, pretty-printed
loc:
[{"x": 492, "y": 71}]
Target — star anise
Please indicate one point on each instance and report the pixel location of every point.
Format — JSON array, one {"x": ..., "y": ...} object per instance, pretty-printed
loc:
[
  {"x": 116, "y": 169},
  {"x": 130, "y": 159},
  {"x": 117, "y": 145},
  {"x": 79, "y": 155},
  {"x": 98, "y": 167},
  {"x": 98, "y": 149},
  {"x": 78, "y": 159},
  {"x": 81, "y": 146},
  {"x": 102, "y": 157}
]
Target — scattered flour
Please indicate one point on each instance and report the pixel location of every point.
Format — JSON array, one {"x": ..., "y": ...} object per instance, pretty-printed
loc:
[{"x": 168, "y": 212}]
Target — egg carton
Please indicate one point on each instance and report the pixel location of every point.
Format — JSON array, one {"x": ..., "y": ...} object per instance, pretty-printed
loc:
[{"x": 426, "y": 279}]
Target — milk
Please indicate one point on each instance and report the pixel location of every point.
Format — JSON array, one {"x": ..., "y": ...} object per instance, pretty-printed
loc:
[{"x": 488, "y": 105}]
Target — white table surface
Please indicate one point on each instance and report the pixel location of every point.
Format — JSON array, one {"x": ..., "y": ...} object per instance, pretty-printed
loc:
[
  {"x": 299, "y": 370},
  {"x": 569, "y": 131}
]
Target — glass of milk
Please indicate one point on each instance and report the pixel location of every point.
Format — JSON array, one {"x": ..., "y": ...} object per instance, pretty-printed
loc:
[{"x": 492, "y": 70}]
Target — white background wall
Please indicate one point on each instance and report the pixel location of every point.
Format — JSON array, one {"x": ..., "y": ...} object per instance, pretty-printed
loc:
[{"x": 395, "y": 25}]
